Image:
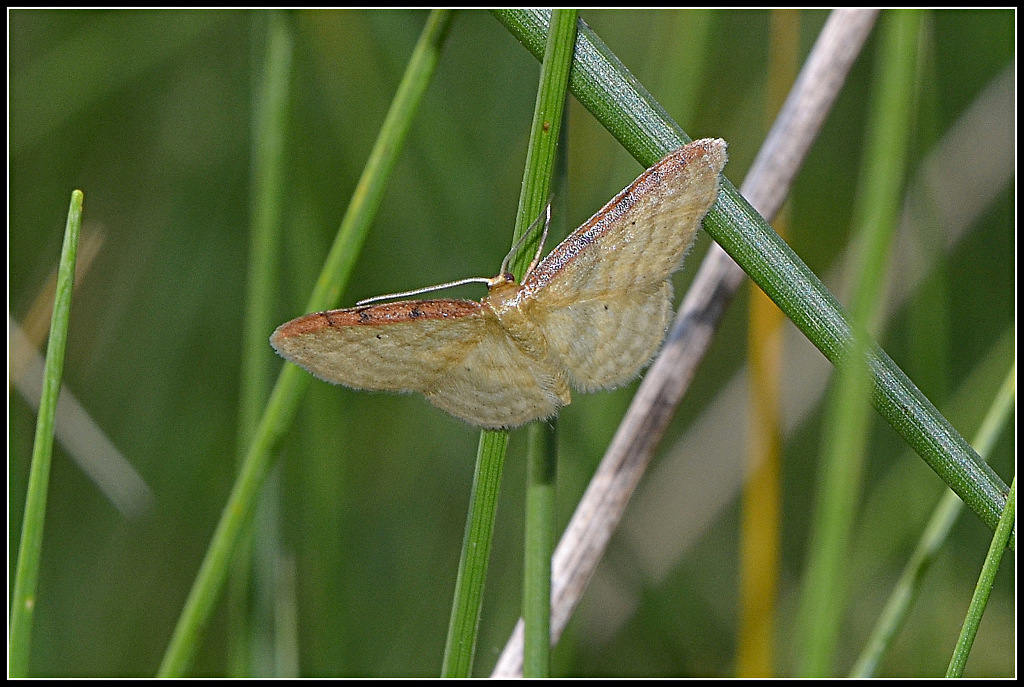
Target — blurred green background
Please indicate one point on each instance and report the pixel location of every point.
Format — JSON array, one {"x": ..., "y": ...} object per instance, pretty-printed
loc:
[{"x": 150, "y": 113}]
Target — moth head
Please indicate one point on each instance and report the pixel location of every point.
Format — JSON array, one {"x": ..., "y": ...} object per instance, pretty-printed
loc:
[{"x": 502, "y": 289}]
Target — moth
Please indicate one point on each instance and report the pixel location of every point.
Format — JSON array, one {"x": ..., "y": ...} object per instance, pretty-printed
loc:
[{"x": 588, "y": 316}]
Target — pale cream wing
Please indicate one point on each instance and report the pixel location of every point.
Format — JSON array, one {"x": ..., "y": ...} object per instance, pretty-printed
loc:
[
  {"x": 604, "y": 342},
  {"x": 452, "y": 351},
  {"x": 603, "y": 293},
  {"x": 496, "y": 385},
  {"x": 640, "y": 236}
]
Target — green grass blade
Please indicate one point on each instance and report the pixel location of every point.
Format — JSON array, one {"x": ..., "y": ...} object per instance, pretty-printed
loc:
[
  {"x": 544, "y": 133},
  {"x": 847, "y": 424},
  {"x": 605, "y": 87},
  {"x": 621, "y": 104},
  {"x": 984, "y": 588},
  {"x": 23, "y": 600},
  {"x": 476, "y": 550},
  {"x": 542, "y": 451},
  {"x": 292, "y": 381},
  {"x": 908, "y": 586},
  {"x": 538, "y": 544},
  {"x": 270, "y": 125},
  {"x": 540, "y": 163},
  {"x": 370, "y": 189}
]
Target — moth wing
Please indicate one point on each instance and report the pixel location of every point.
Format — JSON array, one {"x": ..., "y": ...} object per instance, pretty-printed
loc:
[
  {"x": 604, "y": 293},
  {"x": 496, "y": 386},
  {"x": 454, "y": 352},
  {"x": 604, "y": 342},
  {"x": 640, "y": 236}
]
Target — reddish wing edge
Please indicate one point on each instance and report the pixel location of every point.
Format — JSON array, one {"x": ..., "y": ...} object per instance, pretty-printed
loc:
[
  {"x": 375, "y": 315},
  {"x": 605, "y": 219}
]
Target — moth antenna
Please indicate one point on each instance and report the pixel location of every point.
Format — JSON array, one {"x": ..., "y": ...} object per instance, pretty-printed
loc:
[
  {"x": 515, "y": 247},
  {"x": 543, "y": 238},
  {"x": 481, "y": 280},
  {"x": 426, "y": 289},
  {"x": 519, "y": 244}
]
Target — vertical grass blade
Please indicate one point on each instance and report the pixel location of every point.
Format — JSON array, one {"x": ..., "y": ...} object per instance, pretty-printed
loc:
[
  {"x": 542, "y": 453},
  {"x": 538, "y": 545},
  {"x": 544, "y": 131},
  {"x": 540, "y": 164},
  {"x": 269, "y": 130},
  {"x": 984, "y": 588},
  {"x": 846, "y": 431},
  {"x": 476, "y": 550},
  {"x": 23, "y": 600},
  {"x": 270, "y": 126},
  {"x": 292, "y": 382},
  {"x": 935, "y": 533}
]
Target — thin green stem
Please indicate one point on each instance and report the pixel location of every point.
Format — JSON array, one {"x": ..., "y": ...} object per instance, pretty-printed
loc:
[
  {"x": 476, "y": 550},
  {"x": 270, "y": 127},
  {"x": 544, "y": 132},
  {"x": 23, "y": 600},
  {"x": 620, "y": 103},
  {"x": 935, "y": 533},
  {"x": 984, "y": 587},
  {"x": 539, "y": 542},
  {"x": 542, "y": 451},
  {"x": 292, "y": 381},
  {"x": 540, "y": 163},
  {"x": 846, "y": 430}
]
